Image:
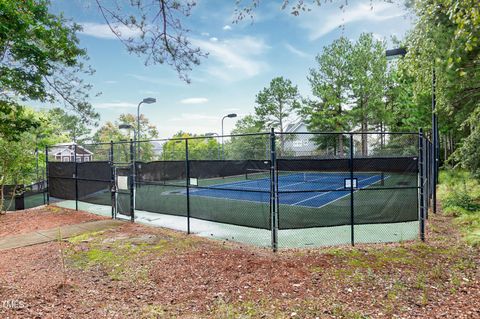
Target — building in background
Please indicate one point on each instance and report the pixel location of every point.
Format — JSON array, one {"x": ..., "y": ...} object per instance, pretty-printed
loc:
[{"x": 65, "y": 152}]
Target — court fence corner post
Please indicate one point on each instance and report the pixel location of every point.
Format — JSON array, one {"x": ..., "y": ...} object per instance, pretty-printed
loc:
[
  {"x": 132, "y": 181},
  {"x": 352, "y": 209},
  {"x": 76, "y": 175},
  {"x": 187, "y": 178},
  {"x": 47, "y": 190},
  {"x": 273, "y": 192},
  {"x": 421, "y": 200},
  {"x": 112, "y": 180}
]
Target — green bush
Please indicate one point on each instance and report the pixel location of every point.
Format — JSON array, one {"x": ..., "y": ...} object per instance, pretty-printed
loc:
[
  {"x": 459, "y": 193},
  {"x": 461, "y": 199}
]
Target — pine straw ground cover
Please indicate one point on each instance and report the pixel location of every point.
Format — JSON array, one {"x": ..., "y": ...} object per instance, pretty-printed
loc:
[{"x": 136, "y": 271}]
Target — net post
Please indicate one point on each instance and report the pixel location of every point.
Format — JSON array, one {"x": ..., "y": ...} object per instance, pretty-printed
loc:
[
  {"x": 76, "y": 175},
  {"x": 112, "y": 180},
  {"x": 187, "y": 177},
  {"x": 421, "y": 211},
  {"x": 132, "y": 182},
  {"x": 46, "y": 174},
  {"x": 273, "y": 192},
  {"x": 352, "y": 209}
]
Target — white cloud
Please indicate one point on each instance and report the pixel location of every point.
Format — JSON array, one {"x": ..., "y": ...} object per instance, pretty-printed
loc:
[
  {"x": 213, "y": 39},
  {"x": 103, "y": 31},
  {"x": 205, "y": 34},
  {"x": 321, "y": 21},
  {"x": 296, "y": 51},
  {"x": 112, "y": 105},
  {"x": 235, "y": 58},
  {"x": 194, "y": 100},
  {"x": 227, "y": 27}
]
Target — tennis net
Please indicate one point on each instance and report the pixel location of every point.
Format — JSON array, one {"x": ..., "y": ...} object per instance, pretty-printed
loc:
[{"x": 309, "y": 176}]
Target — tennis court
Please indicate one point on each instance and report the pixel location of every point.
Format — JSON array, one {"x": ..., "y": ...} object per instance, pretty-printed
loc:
[
  {"x": 323, "y": 193},
  {"x": 303, "y": 185}
]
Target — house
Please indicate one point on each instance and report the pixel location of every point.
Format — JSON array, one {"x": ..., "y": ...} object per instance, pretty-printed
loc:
[
  {"x": 296, "y": 145},
  {"x": 65, "y": 152}
]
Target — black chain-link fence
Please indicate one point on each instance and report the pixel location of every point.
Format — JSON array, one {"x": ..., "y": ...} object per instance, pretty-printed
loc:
[{"x": 268, "y": 189}]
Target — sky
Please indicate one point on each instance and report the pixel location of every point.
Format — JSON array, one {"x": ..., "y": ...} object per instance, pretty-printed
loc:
[{"x": 243, "y": 58}]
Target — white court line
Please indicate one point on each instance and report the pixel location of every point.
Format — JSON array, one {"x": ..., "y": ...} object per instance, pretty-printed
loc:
[
  {"x": 319, "y": 195},
  {"x": 312, "y": 181},
  {"x": 349, "y": 193},
  {"x": 312, "y": 197}
]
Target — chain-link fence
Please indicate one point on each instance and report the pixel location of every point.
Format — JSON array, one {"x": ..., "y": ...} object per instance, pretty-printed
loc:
[{"x": 269, "y": 189}]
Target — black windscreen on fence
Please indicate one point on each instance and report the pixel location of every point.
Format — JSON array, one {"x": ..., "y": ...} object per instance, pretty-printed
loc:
[
  {"x": 94, "y": 182},
  {"x": 61, "y": 180}
]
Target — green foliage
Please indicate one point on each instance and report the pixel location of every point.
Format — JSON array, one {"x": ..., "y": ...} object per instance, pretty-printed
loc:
[
  {"x": 40, "y": 58},
  {"x": 17, "y": 163},
  {"x": 207, "y": 148},
  {"x": 460, "y": 197},
  {"x": 14, "y": 121},
  {"x": 110, "y": 131},
  {"x": 330, "y": 84},
  {"x": 248, "y": 147},
  {"x": 445, "y": 39},
  {"x": 72, "y": 125},
  {"x": 368, "y": 67},
  {"x": 276, "y": 103},
  {"x": 467, "y": 155},
  {"x": 347, "y": 74}
]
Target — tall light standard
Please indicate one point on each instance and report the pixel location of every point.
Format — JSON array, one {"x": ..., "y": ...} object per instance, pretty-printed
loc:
[
  {"x": 231, "y": 115},
  {"x": 147, "y": 100}
]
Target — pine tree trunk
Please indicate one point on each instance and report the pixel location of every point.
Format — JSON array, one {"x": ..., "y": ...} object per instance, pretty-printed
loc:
[{"x": 364, "y": 129}]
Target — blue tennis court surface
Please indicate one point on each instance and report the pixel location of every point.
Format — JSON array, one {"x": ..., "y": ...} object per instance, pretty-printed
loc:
[{"x": 302, "y": 189}]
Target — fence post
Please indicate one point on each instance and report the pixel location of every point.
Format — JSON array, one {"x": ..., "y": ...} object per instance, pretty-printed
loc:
[
  {"x": 132, "y": 182},
  {"x": 273, "y": 192},
  {"x": 112, "y": 180},
  {"x": 76, "y": 175},
  {"x": 187, "y": 177},
  {"x": 421, "y": 181},
  {"x": 46, "y": 174},
  {"x": 352, "y": 210}
]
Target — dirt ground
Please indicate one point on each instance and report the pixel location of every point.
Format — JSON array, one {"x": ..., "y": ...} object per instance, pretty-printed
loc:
[
  {"x": 44, "y": 217},
  {"x": 136, "y": 271}
]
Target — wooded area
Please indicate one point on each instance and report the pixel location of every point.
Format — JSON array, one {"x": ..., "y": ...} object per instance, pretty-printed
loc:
[{"x": 354, "y": 87}]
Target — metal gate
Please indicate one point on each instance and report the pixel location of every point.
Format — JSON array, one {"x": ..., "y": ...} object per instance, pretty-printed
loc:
[{"x": 123, "y": 191}]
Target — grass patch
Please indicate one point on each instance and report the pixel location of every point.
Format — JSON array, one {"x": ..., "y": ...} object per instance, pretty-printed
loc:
[
  {"x": 269, "y": 309},
  {"x": 84, "y": 237},
  {"x": 117, "y": 255},
  {"x": 459, "y": 194}
]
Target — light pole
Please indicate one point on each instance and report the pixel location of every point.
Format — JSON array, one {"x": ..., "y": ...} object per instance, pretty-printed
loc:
[
  {"x": 147, "y": 100},
  {"x": 391, "y": 54},
  {"x": 231, "y": 115}
]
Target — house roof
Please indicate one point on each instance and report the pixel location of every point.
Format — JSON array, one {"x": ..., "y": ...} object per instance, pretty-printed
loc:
[
  {"x": 293, "y": 127},
  {"x": 59, "y": 148}
]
